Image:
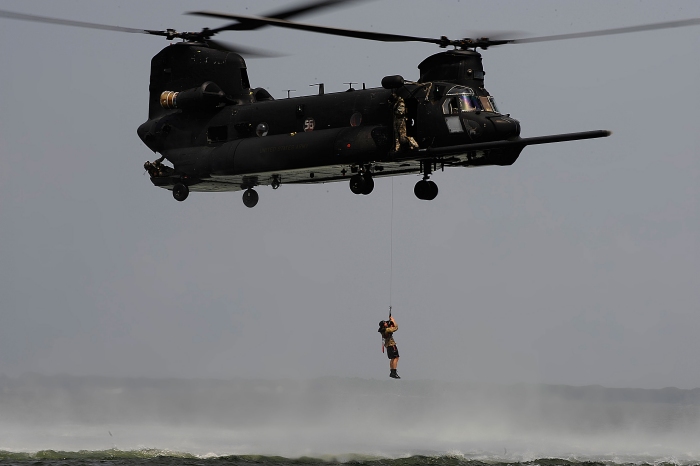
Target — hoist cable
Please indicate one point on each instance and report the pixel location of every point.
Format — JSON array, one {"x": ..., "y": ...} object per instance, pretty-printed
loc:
[{"x": 391, "y": 245}]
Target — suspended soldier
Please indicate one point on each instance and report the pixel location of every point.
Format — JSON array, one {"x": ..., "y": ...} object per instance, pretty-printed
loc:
[{"x": 387, "y": 329}]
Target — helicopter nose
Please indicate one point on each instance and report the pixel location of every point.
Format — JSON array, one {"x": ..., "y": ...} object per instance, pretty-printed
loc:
[{"x": 506, "y": 126}]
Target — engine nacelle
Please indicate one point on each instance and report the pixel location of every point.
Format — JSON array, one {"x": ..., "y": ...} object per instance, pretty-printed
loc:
[{"x": 206, "y": 96}]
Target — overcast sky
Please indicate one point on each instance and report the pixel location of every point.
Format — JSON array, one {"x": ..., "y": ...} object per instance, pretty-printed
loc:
[{"x": 579, "y": 264}]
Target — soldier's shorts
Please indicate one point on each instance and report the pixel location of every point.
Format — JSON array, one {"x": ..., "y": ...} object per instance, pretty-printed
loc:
[{"x": 392, "y": 352}]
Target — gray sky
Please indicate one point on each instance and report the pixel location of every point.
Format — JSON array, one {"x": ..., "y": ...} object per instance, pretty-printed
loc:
[{"x": 576, "y": 265}]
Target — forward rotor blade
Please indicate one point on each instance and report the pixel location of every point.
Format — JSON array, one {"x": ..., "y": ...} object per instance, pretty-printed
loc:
[
  {"x": 284, "y": 14},
  {"x": 377, "y": 36},
  {"x": 610, "y": 32},
  {"x": 67, "y": 22},
  {"x": 317, "y": 5}
]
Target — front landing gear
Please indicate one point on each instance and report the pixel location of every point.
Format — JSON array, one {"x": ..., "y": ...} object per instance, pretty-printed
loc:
[
  {"x": 426, "y": 189},
  {"x": 250, "y": 197},
  {"x": 180, "y": 192}
]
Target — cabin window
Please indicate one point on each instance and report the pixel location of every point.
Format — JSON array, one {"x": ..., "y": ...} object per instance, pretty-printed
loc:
[
  {"x": 217, "y": 134},
  {"x": 262, "y": 129},
  {"x": 356, "y": 119},
  {"x": 453, "y": 124}
]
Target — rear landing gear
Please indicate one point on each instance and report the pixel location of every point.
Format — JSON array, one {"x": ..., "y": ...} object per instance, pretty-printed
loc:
[
  {"x": 275, "y": 182},
  {"x": 361, "y": 183},
  {"x": 180, "y": 192},
  {"x": 250, "y": 197}
]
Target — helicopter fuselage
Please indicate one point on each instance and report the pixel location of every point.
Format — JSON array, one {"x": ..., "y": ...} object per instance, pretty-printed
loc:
[{"x": 220, "y": 134}]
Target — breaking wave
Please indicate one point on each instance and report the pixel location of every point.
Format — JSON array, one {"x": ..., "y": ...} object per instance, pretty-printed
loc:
[{"x": 164, "y": 457}]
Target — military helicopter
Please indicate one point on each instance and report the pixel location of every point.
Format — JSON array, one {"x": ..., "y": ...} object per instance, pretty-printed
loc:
[{"x": 221, "y": 134}]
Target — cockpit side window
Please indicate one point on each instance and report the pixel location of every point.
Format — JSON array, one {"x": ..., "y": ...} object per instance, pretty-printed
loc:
[
  {"x": 489, "y": 104},
  {"x": 486, "y": 104},
  {"x": 493, "y": 104},
  {"x": 461, "y": 99}
]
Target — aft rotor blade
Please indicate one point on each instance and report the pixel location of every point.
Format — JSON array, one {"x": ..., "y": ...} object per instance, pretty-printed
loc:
[
  {"x": 68, "y": 22},
  {"x": 377, "y": 36},
  {"x": 610, "y": 32},
  {"x": 245, "y": 51}
]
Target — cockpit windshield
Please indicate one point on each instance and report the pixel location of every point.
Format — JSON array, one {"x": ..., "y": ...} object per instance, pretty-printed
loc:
[{"x": 462, "y": 99}]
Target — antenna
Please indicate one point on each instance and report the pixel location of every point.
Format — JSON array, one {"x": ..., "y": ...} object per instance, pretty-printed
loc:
[
  {"x": 290, "y": 90},
  {"x": 350, "y": 84},
  {"x": 321, "y": 88}
]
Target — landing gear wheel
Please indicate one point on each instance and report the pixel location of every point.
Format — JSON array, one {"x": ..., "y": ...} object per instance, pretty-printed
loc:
[
  {"x": 357, "y": 184},
  {"x": 180, "y": 192},
  {"x": 426, "y": 190},
  {"x": 250, "y": 197},
  {"x": 368, "y": 184}
]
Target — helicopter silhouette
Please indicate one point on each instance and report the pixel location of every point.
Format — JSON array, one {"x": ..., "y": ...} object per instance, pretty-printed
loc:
[{"x": 219, "y": 133}]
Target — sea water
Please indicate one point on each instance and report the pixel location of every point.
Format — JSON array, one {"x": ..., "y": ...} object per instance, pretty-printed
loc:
[{"x": 64, "y": 420}]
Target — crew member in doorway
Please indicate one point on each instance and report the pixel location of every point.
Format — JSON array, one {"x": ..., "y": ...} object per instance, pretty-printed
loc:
[
  {"x": 402, "y": 139},
  {"x": 387, "y": 329}
]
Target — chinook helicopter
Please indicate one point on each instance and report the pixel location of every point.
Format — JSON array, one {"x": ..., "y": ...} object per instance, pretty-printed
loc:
[{"x": 219, "y": 133}]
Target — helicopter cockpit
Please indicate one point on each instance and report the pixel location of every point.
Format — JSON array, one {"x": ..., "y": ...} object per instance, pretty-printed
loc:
[{"x": 463, "y": 99}]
